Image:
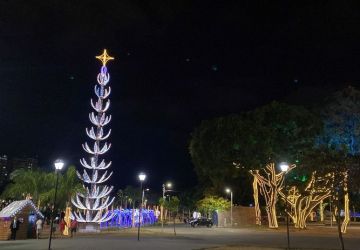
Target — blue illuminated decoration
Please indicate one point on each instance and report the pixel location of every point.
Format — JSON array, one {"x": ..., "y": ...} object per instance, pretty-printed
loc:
[
  {"x": 123, "y": 218},
  {"x": 341, "y": 120}
]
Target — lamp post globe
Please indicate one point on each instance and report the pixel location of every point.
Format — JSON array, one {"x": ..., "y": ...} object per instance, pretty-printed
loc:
[
  {"x": 142, "y": 177},
  {"x": 59, "y": 164},
  {"x": 284, "y": 166}
]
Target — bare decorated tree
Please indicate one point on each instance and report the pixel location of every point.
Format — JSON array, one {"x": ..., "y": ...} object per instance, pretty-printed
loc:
[
  {"x": 303, "y": 203},
  {"x": 269, "y": 182}
]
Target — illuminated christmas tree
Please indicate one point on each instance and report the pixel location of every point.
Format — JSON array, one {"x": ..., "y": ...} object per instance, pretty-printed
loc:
[{"x": 95, "y": 200}]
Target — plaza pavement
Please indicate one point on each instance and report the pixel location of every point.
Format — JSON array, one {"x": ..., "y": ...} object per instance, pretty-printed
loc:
[{"x": 187, "y": 238}]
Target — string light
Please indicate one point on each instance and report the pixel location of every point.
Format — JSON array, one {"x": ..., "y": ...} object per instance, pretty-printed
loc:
[
  {"x": 104, "y": 58},
  {"x": 321, "y": 210},
  {"x": 67, "y": 220},
  {"x": 126, "y": 218},
  {"x": 317, "y": 190},
  {"x": 256, "y": 201},
  {"x": 346, "y": 204},
  {"x": 96, "y": 198},
  {"x": 269, "y": 184},
  {"x": 16, "y": 206}
]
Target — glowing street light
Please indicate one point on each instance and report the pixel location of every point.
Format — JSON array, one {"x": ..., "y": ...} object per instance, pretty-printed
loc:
[
  {"x": 59, "y": 164},
  {"x": 166, "y": 187},
  {"x": 142, "y": 178},
  {"x": 284, "y": 166},
  {"x": 228, "y": 190}
]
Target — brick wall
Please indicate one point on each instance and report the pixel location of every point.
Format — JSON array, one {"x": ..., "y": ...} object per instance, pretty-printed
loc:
[
  {"x": 22, "y": 232},
  {"x": 242, "y": 216},
  {"x": 5, "y": 228}
]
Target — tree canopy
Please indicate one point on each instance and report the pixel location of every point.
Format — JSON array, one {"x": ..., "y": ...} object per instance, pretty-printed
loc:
[
  {"x": 40, "y": 185},
  {"x": 171, "y": 204},
  {"x": 275, "y": 132},
  {"x": 210, "y": 204},
  {"x": 128, "y": 196},
  {"x": 341, "y": 117}
]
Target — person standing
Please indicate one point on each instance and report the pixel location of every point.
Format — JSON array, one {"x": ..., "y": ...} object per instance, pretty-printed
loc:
[
  {"x": 14, "y": 226},
  {"x": 39, "y": 225},
  {"x": 73, "y": 226}
]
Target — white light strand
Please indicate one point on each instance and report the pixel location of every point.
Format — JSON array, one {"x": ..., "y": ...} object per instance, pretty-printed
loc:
[
  {"x": 95, "y": 199},
  {"x": 101, "y": 166}
]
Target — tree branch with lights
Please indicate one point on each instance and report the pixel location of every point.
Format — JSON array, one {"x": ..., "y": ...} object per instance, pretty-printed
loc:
[
  {"x": 269, "y": 182},
  {"x": 304, "y": 203}
]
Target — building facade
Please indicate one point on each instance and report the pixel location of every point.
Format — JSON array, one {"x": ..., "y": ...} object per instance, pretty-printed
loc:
[
  {"x": 9, "y": 165},
  {"x": 27, "y": 163}
]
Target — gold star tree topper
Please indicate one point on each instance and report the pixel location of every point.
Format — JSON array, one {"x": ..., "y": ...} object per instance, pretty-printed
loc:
[{"x": 104, "y": 58}]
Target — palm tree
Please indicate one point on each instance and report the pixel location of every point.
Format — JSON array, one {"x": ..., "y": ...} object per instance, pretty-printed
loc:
[
  {"x": 132, "y": 195},
  {"x": 121, "y": 200},
  {"x": 34, "y": 183},
  {"x": 40, "y": 185},
  {"x": 69, "y": 185}
]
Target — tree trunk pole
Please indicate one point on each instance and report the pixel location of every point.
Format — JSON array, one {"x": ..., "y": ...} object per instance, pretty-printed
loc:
[
  {"x": 174, "y": 226},
  {"x": 339, "y": 226}
]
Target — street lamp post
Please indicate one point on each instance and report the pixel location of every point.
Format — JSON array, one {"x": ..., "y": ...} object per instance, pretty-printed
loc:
[
  {"x": 59, "y": 164},
  {"x": 143, "y": 196},
  {"x": 284, "y": 168},
  {"x": 228, "y": 190},
  {"x": 142, "y": 178},
  {"x": 164, "y": 186},
  {"x": 168, "y": 185},
  {"x": 163, "y": 190}
]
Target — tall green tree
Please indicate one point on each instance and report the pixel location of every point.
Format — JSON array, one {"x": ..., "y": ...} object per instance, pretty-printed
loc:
[
  {"x": 287, "y": 131},
  {"x": 121, "y": 199},
  {"x": 69, "y": 185},
  {"x": 172, "y": 205},
  {"x": 338, "y": 146},
  {"x": 344, "y": 167},
  {"x": 36, "y": 183},
  {"x": 341, "y": 116},
  {"x": 272, "y": 133},
  {"x": 132, "y": 194},
  {"x": 40, "y": 185},
  {"x": 211, "y": 204}
]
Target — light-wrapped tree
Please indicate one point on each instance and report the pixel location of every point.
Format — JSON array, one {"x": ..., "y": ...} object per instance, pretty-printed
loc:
[
  {"x": 304, "y": 203},
  {"x": 256, "y": 201},
  {"x": 269, "y": 182}
]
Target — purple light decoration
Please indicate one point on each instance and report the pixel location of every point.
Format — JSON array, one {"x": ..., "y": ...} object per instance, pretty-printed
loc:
[{"x": 123, "y": 218}]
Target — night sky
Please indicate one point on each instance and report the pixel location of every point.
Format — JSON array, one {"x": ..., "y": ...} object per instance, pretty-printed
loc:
[{"x": 177, "y": 63}]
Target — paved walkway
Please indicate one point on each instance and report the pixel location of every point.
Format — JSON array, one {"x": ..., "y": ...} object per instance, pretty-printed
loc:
[{"x": 197, "y": 238}]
